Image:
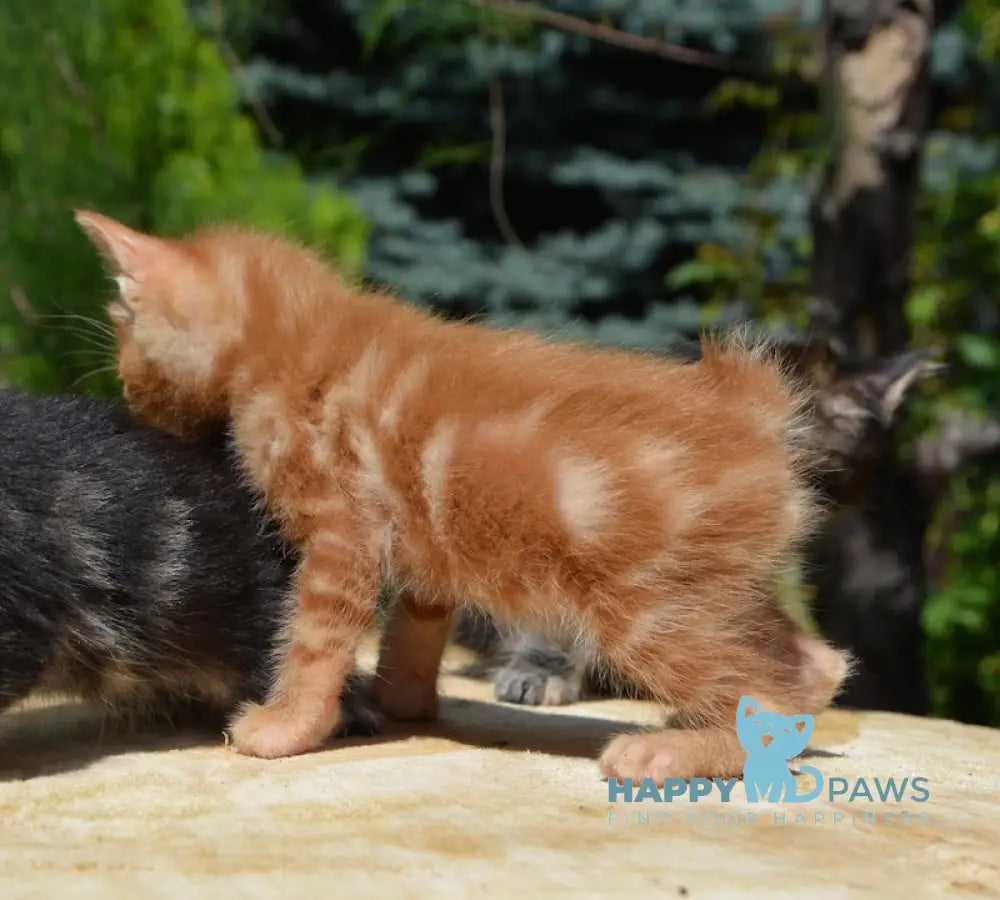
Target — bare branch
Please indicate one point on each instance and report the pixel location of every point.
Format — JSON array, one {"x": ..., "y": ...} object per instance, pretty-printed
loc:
[
  {"x": 960, "y": 439},
  {"x": 618, "y": 38},
  {"x": 19, "y": 300},
  {"x": 78, "y": 91},
  {"x": 232, "y": 61},
  {"x": 498, "y": 128}
]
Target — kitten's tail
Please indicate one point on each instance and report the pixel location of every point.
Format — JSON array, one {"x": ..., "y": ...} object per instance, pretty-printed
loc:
[
  {"x": 796, "y": 797},
  {"x": 749, "y": 366}
]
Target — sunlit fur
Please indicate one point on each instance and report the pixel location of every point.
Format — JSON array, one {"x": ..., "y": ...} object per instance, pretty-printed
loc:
[{"x": 640, "y": 502}]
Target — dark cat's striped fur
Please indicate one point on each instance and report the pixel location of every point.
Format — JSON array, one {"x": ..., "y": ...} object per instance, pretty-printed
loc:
[{"x": 133, "y": 568}]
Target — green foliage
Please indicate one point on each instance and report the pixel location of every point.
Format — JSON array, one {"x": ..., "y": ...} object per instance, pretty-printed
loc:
[
  {"x": 127, "y": 107},
  {"x": 955, "y": 303},
  {"x": 768, "y": 267},
  {"x": 614, "y": 169}
]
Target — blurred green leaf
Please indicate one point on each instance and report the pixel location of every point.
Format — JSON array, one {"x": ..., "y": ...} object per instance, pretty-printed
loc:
[{"x": 125, "y": 106}]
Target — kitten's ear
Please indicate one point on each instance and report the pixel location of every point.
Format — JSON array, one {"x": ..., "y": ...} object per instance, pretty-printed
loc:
[
  {"x": 747, "y": 707},
  {"x": 127, "y": 252},
  {"x": 882, "y": 386}
]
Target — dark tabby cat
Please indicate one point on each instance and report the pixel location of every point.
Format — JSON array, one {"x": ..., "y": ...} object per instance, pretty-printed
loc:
[
  {"x": 133, "y": 570},
  {"x": 854, "y": 408}
]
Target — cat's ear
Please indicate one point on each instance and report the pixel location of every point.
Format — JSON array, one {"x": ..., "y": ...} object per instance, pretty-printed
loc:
[
  {"x": 126, "y": 251},
  {"x": 882, "y": 385},
  {"x": 131, "y": 257},
  {"x": 747, "y": 707}
]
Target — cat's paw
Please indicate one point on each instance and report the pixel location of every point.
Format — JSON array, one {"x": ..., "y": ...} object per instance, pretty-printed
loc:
[
  {"x": 408, "y": 700},
  {"x": 360, "y": 715},
  {"x": 281, "y": 729},
  {"x": 531, "y": 685},
  {"x": 638, "y": 756},
  {"x": 703, "y": 753}
]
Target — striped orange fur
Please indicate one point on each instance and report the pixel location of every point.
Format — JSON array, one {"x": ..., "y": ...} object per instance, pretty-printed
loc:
[{"x": 643, "y": 503}]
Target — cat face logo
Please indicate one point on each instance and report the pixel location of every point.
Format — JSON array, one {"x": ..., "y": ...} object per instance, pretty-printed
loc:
[{"x": 770, "y": 740}]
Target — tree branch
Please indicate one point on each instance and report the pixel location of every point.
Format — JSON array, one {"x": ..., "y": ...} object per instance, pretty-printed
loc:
[
  {"x": 497, "y": 152},
  {"x": 960, "y": 439},
  {"x": 617, "y": 38},
  {"x": 78, "y": 91},
  {"x": 232, "y": 61},
  {"x": 19, "y": 300}
]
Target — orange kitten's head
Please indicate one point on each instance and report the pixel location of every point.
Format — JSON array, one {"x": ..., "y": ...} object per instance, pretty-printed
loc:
[{"x": 178, "y": 316}]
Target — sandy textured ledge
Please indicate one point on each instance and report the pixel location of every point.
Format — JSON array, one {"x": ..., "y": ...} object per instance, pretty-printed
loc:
[{"x": 492, "y": 801}]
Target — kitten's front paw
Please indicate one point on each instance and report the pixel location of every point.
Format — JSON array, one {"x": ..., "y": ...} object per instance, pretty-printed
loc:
[
  {"x": 408, "y": 700},
  {"x": 535, "y": 686},
  {"x": 281, "y": 729}
]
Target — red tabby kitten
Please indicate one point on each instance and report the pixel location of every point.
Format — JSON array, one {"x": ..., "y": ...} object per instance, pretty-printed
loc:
[{"x": 642, "y": 503}]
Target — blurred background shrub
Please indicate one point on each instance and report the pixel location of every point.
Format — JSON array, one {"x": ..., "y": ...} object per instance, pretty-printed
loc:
[{"x": 125, "y": 106}]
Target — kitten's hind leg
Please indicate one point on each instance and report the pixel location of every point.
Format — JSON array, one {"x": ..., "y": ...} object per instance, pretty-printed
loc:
[
  {"x": 703, "y": 673},
  {"x": 410, "y": 656},
  {"x": 337, "y": 593},
  {"x": 540, "y": 671}
]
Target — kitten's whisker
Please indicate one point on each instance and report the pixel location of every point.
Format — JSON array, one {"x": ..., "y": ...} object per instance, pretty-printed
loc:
[
  {"x": 96, "y": 324},
  {"x": 93, "y": 373},
  {"x": 76, "y": 327},
  {"x": 93, "y": 340},
  {"x": 86, "y": 353}
]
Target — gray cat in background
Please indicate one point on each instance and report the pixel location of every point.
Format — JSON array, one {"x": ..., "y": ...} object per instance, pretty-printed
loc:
[{"x": 135, "y": 570}]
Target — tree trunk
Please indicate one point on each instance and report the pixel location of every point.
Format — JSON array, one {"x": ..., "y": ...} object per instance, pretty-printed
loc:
[{"x": 868, "y": 562}]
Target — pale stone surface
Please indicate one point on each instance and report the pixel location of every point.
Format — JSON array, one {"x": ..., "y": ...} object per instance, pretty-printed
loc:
[{"x": 492, "y": 801}]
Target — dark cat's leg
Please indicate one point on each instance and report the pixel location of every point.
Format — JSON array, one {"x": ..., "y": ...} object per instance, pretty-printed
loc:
[
  {"x": 476, "y": 631},
  {"x": 25, "y": 652},
  {"x": 531, "y": 668},
  {"x": 538, "y": 670},
  {"x": 527, "y": 667},
  {"x": 186, "y": 705},
  {"x": 361, "y": 716}
]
